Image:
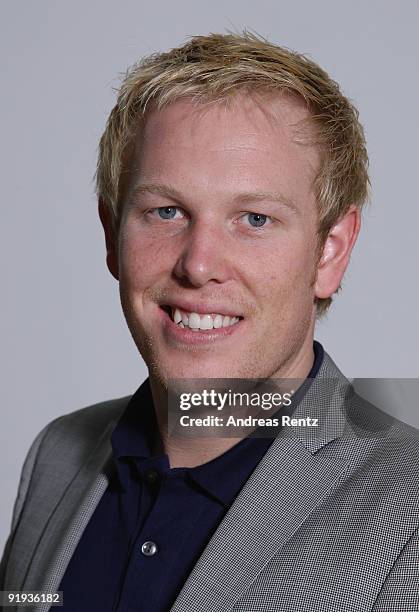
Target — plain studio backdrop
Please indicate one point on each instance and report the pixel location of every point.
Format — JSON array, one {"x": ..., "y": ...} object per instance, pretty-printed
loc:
[{"x": 64, "y": 341}]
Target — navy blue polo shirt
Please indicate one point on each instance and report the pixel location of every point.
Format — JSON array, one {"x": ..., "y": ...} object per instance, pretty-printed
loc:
[{"x": 153, "y": 521}]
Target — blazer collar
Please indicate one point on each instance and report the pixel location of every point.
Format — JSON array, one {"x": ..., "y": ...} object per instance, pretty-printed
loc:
[
  {"x": 287, "y": 485},
  {"x": 66, "y": 524},
  {"x": 290, "y": 482}
]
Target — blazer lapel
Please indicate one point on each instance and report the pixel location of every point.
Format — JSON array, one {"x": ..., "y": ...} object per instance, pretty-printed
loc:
[
  {"x": 289, "y": 483},
  {"x": 68, "y": 521}
]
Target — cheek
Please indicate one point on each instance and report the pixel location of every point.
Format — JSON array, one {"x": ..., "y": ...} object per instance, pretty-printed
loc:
[
  {"x": 140, "y": 261},
  {"x": 285, "y": 270}
]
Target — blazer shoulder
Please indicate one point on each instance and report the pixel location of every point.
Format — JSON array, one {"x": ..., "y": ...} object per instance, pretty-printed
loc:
[
  {"x": 392, "y": 444},
  {"x": 73, "y": 435},
  {"x": 58, "y": 452},
  {"x": 68, "y": 440},
  {"x": 91, "y": 419}
]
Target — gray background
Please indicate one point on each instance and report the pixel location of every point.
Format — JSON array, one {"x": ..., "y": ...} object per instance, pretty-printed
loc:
[{"x": 64, "y": 340}]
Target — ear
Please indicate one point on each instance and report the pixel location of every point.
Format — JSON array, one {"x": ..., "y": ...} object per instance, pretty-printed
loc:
[
  {"x": 336, "y": 253},
  {"x": 110, "y": 239}
]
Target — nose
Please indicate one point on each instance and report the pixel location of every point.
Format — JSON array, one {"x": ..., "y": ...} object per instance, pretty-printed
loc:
[{"x": 203, "y": 256}]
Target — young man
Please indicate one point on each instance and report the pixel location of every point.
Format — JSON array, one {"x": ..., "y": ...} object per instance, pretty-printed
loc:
[{"x": 231, "y": 177}]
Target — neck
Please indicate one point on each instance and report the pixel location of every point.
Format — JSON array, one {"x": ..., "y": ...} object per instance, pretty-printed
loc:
[{"x": 190, "y": 452}]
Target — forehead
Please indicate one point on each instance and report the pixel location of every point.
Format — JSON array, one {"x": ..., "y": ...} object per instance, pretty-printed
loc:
[
  {"x": 248, "y": 141},
  {"x": 238, "y": 116}
]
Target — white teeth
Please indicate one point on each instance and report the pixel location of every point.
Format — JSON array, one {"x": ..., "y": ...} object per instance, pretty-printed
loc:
[
  {"x": 195, "y": 322},
  {"x": 206, "y": 322},
  {"x": 218, "y": 321}
]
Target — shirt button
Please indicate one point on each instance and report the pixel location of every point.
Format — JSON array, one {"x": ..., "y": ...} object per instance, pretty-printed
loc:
[
  {"x": 149, "y": 549},
  {"x": 151, "y": 476}
]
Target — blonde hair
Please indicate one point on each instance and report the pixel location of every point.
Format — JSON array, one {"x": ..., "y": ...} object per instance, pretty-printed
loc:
[{"x": 212, "y": 68}]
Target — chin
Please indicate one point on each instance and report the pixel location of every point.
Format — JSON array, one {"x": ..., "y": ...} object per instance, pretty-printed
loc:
[
  {"x": 191, "y": 369},
  {"x": 196, "y": 372}
]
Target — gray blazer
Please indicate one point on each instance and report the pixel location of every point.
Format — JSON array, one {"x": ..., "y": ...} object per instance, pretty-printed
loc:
[{"x": 328, "y": 520}]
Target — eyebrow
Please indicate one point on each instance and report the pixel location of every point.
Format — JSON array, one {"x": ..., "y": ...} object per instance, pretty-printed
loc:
[{"x": 241, "y": 198}]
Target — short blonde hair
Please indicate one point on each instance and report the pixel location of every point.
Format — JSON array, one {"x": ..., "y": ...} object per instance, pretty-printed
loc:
[{"x": 213, "y": 68}]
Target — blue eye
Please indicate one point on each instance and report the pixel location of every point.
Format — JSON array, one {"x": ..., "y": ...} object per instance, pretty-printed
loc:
[
  {"x": 256, "y": 219},
  {"x": 167, "y": 212}
]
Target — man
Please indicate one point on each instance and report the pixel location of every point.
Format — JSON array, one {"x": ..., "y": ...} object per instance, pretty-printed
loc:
[{"x": 231, "y": 177}]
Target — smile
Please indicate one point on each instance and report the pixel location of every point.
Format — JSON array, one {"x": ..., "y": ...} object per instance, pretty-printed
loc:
[
  {"x": 183, "y": 325},
  {"x": 203, "y": 321}
]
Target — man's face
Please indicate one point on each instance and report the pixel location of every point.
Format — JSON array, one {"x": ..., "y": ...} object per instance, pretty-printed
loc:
[{"x": 219, "y": 220}]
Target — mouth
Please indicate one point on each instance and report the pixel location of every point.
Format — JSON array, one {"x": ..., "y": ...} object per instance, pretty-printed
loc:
[{"x": 200, "y": 322}]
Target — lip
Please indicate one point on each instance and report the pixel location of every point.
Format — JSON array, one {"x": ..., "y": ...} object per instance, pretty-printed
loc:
[
  {"x": 202, "y": 309},
  {"x": 187, "y": 336}
]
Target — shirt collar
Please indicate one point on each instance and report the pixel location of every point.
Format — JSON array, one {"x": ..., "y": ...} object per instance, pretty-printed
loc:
[
  {"x": 225, "y": 475},
  {"x": 134, "y": 433},
  {"x": 222, "y": 477}
]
